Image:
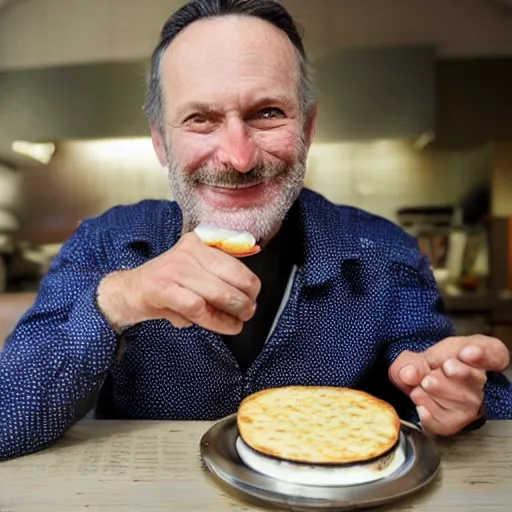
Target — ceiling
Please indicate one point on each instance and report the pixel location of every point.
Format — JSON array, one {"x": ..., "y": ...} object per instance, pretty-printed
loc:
[{"x": 505, "y": 3}]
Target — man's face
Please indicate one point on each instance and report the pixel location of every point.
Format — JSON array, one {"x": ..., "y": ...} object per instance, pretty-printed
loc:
[{"x": 234, "y": 140}]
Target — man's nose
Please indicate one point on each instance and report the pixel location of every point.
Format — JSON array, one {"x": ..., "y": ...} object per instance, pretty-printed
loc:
[{"x": 237, "y": 149}]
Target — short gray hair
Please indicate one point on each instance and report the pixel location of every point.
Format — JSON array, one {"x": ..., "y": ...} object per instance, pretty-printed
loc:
[{"x": 267, "y": 10}]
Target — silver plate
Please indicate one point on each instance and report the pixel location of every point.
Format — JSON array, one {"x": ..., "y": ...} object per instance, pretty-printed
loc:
[{"x": 220, "y": 456}]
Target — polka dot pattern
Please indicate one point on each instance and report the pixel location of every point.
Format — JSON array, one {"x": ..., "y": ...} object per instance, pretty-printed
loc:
[{"x": 362, "y": 293}]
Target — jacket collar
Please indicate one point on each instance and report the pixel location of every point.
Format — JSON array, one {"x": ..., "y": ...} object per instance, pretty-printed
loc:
[{"x": 327, "y": 237}]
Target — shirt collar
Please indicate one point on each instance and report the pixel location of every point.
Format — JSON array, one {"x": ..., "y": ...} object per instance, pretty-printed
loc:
[{"x": 160, "y": 228}]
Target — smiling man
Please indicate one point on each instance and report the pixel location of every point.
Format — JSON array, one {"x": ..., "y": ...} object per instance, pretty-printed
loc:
[
  {"x": 234, "y": 135},
  {"x": 138, "y": 318}
]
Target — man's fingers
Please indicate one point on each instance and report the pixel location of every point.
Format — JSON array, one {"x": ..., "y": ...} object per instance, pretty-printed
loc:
[
  {"x": 456, "y": 369},
  {"x": 408, "y": 370},
  {"x": 428, "y": 410},
  {"x": 450, "y": 393},
  {"x": 448, "y": 348},
  {"x": 217, "y": 293},
  {"x": 220, "y": 322},
  {"x": 227, "y": 268},
  {"x": 410, "y": 375},
  {"x": 192, "y": 282},
  {"x": 492, "y": 355},
  {"x": 464, "y": 394},
  {"x": 446, "y": 405},
  {"x": 482, "y": 352},
  {"x": 431, "y": 424},
  {"x": 195, "y": 309},
  {"x": 421, "y": 398},
  {"x": 436, "y": 419}
]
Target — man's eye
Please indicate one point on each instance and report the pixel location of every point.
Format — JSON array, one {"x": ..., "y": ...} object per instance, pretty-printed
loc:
[
  {"x": 200, "y": 123},
  {"x": 197, "y": 119},
  {"x": 271, "y": 113}
]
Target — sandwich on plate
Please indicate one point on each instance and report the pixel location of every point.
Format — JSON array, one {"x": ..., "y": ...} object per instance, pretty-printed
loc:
[{"x": 319, "y": 435}]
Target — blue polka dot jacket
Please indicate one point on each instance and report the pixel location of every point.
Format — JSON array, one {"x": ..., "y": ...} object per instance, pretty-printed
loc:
[{"x": 361, "y": 294}]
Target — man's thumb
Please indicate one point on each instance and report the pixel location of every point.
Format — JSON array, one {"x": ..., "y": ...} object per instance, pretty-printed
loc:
[{"x": 408, "y": 370}]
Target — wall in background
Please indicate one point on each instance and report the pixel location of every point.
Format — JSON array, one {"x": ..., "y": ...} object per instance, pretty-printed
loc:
[
  {"x": 502, "y": 179},
  {"x": 384, "y": 176},
  {"x": 86, "y": 178},
  {"x": 36, "y": 33}
]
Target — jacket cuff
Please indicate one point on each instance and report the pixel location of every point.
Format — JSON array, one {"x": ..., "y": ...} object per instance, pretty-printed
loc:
[{"x": 479, "y": 422}]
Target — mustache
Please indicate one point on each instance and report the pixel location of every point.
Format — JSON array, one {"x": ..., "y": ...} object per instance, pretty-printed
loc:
[{"x": 234, "y": 178}]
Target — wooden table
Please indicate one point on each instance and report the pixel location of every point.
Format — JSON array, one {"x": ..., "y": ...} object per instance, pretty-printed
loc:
[{"x": 134, "y": 466}]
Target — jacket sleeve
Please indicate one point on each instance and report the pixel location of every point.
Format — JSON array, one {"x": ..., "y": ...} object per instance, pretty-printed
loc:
[
  {"x": 55, "y": 361},
  {"x": 417, "y": 320}
]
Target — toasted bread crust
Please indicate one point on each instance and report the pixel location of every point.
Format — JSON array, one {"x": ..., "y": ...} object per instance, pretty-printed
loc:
[{"x": 318, "y": 425}]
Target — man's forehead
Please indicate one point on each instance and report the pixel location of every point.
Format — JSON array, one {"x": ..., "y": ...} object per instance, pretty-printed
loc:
[
  {"x": 222, "y": 32},
  {"x": 213, "y": 50}
]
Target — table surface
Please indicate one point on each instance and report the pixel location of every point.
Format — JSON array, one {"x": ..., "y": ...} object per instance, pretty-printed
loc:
[{"x": 156, "y": 466}]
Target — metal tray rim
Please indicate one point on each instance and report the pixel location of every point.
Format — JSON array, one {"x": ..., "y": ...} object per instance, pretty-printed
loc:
[{"x": 221, "y": 459}]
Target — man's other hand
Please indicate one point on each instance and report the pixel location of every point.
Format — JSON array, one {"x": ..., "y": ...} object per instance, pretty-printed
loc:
[{"x": 446, "y": 382}]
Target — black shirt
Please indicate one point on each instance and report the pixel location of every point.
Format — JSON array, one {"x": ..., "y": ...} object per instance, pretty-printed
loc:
[{"x": 273, "y": 266}]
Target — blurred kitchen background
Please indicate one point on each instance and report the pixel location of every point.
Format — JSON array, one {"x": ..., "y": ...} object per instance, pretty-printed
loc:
[{"x": 415, "y": 125}]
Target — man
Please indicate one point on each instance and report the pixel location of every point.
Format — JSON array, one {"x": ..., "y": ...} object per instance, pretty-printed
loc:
[{"x": 141, "y": 318}]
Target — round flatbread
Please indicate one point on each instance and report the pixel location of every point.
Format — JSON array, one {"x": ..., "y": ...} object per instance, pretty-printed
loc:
[{"x": 318, "y": 425}]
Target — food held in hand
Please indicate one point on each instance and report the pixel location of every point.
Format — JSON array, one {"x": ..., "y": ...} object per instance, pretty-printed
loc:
[{"x": 236, "y": 243}]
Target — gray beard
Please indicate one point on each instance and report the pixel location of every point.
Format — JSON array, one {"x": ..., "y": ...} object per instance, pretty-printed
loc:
[{"x": 260, "y": 221}]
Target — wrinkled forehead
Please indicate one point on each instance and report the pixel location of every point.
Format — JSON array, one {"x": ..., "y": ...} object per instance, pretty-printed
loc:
[{"x": 228, "y": 59}]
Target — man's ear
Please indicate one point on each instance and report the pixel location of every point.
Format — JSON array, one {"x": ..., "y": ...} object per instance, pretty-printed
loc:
[
  {"x": 310, "y": 128},
  {"x": 159, "y": 145}
]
